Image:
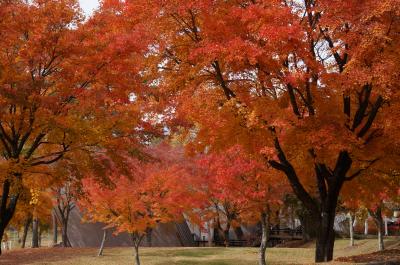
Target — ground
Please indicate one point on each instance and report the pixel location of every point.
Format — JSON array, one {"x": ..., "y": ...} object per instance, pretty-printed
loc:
[{"x": 204, "y": 256}]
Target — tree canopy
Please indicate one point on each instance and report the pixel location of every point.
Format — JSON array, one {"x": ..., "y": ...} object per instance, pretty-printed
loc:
[{"x": 260, "y": 98}]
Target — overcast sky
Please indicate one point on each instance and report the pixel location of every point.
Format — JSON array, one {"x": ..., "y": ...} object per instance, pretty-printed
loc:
[{"x": 89, "y": 5}]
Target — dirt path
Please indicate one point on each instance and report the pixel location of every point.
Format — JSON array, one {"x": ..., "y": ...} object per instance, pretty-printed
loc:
[
  {"x": 29, "y": 255},
  {"x": 389, "y": 257}
]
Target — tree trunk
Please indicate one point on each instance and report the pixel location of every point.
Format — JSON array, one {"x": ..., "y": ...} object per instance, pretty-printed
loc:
[
  {"x": 26, "y": 229},
  {"x": 239, "y": 232},
  {"x": 226, "y": 234},
  {"x": 136, "y": 239},
  {"x": 351, "y": 229},
  {"x": 308, "y": 224},
  {"x": 323, "y": 208},
  {"x": 377, "y": 216},
  {"x": 7, "y": 210},
  {"x": 325, "y": 237},
  {"x": 55, "y": 228},
  {"x": 386, "y": 226},
  {"x": 102, "y": 243},
  {"x": 264, "y": 238},
  {"x": 35, "y": 232},
  {"x": 1, "y": 236},
  {"x": 64, "y": 235},
  {"x": 218, "y": 235},
  {"x": 210, "y": 234},
  {"x": 64, "y": 230},
  {"x": 40, "y": 236},
  {"x": 366, "y": 226},
  {"x": 136, "y": 254},
  {"x": 381, "y": 245}
]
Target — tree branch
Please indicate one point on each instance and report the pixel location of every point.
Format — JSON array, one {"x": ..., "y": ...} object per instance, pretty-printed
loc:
[
  {"x": 228, "y": 92},
  {"x": 372, "y": 115},
  {"x": 363, "y": 105},
  {"x": 293, "y": 101},
  {"x": 285, "y": 166},
  {"x": 358, "y": 172}
]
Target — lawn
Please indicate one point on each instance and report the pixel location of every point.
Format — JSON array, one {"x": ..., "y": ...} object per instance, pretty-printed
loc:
[{"x": 187, "y": 256}]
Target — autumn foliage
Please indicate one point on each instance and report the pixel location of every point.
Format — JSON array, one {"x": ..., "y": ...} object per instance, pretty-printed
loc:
[
  {"x": 148, "y": 193},
  {"x": 265, "y": 97}
]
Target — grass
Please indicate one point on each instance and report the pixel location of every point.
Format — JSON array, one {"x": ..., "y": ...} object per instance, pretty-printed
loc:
[{"x": 188, "y": 256}]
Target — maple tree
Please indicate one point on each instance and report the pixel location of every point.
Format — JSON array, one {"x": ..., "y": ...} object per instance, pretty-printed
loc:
[
  {"x": 34, "y": 205},
  {"x": 243, "y": 189},
  {"x": 135, "y": 202},
  {"x": 63, "y": 91},
  {"x": 221, "y": 206},
  {"x": 385, "y": 190},
  {"x": 313, "y": 81},
  {"x": 64, "y": 198}
]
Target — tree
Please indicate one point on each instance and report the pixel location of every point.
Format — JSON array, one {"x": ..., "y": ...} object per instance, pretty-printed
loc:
[
  {"x": 27, "y": 224},
  {"x": 244, "y": 188},
  {"x": 351, "y": 215},
  {"x": 314, "y": 81},
  {"x": 65, "y": 203},
  {"x": 103, "y": 241},
  {"x": 60, "y": 80},
  {"x": 54, "y": 226},
  {"x": 377, "y": 216},
  {"x": 384, "y": 191},
  {"x": 23, "y": 216},
  {"x": 34, "y": 205},
  {"x": 41, "y": 210},
  {"x": 150, "y": 194},
  {"x": 220, "y": 205}
]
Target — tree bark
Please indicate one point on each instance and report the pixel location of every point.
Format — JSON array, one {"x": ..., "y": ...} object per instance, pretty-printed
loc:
[
  {"x": 308, "y": 222},
  {"x": 325, "y": 237},
  {"x": 377, "y": 216},
  {"x": 366, "y": 226},
  {"x": 381, "y": 245},
  {"x": 40, "y": 236},
  {"x": 351, "y": 229},
  {"x": 55, "y": 227},
  {"x": 218, "y": 235},
  {"x": 64, "y": 234},
  {"x": 226, "y": 234},
  {"x": 239, "y": 232},
  {"x": 264, "y": 238},
  {"x": 64, "y": 228},
  {"x": 210, "y": 234},
  {"x": 2, "y": 228},
  {"x": 386, "y": 226},
  {"x": 218, "y": 232},
  {"x": 136, "y": 239},
  {"x": 102, "y": 243},
  {"x": 35, "y": 232},
  {"x": 136, "y": 254},
  {"x": 64, "y": 207},
  {"x": 8, "y": 204},
  {"x": 26, "y": 229}
]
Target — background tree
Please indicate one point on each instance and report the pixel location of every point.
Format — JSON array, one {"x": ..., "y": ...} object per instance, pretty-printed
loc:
[
  {"x": 150, "y": 194},
  {"x": 64, "y": 204},
  {"x": 246, "y": 182},
  {"x": 384, "y": 191}
]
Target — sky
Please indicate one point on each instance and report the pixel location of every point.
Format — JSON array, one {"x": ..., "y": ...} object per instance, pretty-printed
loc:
[{"x": 88, "y": 5}]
